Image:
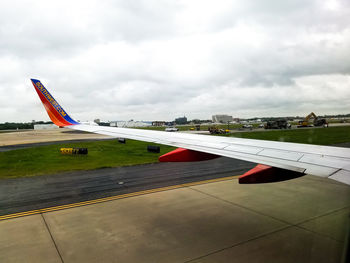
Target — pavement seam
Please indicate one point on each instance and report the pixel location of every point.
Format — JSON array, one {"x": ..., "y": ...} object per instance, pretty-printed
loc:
[
  {"x": 319, "y": 234},
  {"x": 289, "y": 225},
  {"x": 249, "y": 240},
  {"x": 325, "y": 214},
  {"x": 53, "y": 240},
  {"x": 297, "y": 225},
  {"x": 320, "y": 216},
  {"x": 241, "y": 206},
  {"x": 319, "y": 179},
  {"x": 240, "y": 243}
]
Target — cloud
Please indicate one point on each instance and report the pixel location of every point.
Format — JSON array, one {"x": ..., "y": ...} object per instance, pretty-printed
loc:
[{"x": 159, "y": 60}]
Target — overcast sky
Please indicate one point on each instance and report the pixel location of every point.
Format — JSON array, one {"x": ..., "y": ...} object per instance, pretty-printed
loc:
[{"x": 157, "y": 60}]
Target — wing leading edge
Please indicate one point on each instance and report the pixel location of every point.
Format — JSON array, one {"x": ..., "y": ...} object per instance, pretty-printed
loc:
[{"x": 324, "y": 161}]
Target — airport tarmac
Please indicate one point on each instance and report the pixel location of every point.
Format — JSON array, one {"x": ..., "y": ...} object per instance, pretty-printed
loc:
[
  {"x": 41, "y": 136},
  {"x": 301, "y": 220},
  {"x": 188, "y": 220}
]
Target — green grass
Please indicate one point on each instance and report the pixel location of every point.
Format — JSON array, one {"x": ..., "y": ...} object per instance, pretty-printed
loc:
[
  {"x": 321, "y": 136},
  {"x": 48, "y": 159}
]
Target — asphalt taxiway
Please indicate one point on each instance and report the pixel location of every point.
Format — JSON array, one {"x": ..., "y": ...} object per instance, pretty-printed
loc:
[{"x": 23, "y": 194}]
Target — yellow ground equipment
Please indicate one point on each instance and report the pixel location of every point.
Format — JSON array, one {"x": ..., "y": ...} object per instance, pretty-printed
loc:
[
  {"x": 197, "y": 127},
  {"x": 216, "y": 130},
  {"x": 316, "y": 121},
  {"x": 72, "y": 151}
]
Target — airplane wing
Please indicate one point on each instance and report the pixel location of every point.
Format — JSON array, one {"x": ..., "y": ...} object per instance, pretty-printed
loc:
[{"x": 324, "y": 161}]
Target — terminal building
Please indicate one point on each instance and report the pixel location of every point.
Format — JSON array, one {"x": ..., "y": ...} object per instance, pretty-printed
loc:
[
  {"x": 222, "y": 118},
  {"x": 45, "y": 126},
  {"x": 181, "y": 120},
  {"x": 158, "y": 123},
  {"x": 129, "y": 124}
]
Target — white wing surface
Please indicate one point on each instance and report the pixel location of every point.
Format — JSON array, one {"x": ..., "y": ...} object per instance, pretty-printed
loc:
[{"x": 324, "y": 161}]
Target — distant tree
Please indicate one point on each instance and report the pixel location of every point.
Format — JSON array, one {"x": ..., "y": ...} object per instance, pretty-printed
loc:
[{"x": 20, "y": 125}]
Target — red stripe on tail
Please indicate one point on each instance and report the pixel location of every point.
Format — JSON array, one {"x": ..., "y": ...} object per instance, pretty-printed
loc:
[{"x": 55, "y": 117}]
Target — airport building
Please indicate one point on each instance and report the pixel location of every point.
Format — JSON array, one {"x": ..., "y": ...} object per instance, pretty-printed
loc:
[
  {"x": 158, "y": 123},
  {"x": 181, "y": 120},
  {"x": 222, "y": 118},
  {"x": 44, "y": 126},
  {"x": 129, "y": 124}
]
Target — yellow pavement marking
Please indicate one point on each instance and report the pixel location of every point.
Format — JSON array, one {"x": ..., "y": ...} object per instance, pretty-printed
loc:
[{"x": 111, "y": 198}]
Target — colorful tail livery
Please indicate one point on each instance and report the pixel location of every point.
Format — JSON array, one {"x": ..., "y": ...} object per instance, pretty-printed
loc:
[{"x": 56, "y": 113}]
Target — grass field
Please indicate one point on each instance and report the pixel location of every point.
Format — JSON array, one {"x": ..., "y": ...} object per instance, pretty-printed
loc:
[
  {"x": 321, "y": 136},
  {"x": 48, "y": 160}
]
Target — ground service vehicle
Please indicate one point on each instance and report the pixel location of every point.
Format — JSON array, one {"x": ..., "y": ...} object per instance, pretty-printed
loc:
[
  {"x": 277, "y": 124},
  {"x": 247, "y": 126},
  {"x": 321, "y": 122},
  {"x": 171, "y": 129}
]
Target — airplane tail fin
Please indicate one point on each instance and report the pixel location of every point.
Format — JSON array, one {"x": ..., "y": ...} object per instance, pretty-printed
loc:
[{"x": 56, "y": 113}]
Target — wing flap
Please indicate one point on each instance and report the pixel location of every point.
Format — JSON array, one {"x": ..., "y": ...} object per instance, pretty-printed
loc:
[
  {"x": 243, "y": 148},
  {"x": 342, "y": 176},
  {"x": 285, "y": 155},
  {"x": 323, "y": 160}
]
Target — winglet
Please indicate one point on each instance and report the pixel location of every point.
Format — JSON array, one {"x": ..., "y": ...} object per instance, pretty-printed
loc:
[{"x": 56, "y": 113}]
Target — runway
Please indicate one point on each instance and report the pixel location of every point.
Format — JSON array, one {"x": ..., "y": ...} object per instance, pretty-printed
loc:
[{"x": 26, "y": 138}]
